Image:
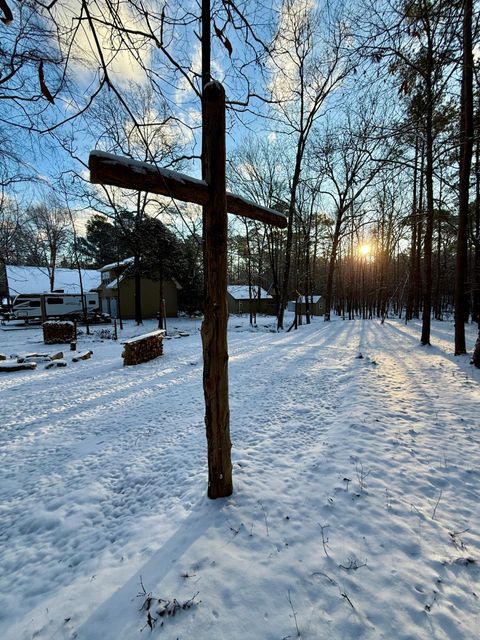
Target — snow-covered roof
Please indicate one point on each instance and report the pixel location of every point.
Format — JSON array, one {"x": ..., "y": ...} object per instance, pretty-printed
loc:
[
  {"x": 311, "y": 299},
  {"x": 241, "y": 292},
  {"x": 114, "y": 283},
  {"x": 114, "y": 265},
  {"x": 36, "y": 280}
]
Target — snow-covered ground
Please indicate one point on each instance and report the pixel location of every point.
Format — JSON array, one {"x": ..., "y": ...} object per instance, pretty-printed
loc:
[{"x": 355, "y": 511}]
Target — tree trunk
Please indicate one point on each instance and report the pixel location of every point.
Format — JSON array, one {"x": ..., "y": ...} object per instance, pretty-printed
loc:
[
  {"x": 138, "y": 289},
  {"x": 476, "y": 233},
  {"x": 161, "y": 295},
  {"x": 308, "y": 279},
  {"x": 214, "y": 327},
  {"x": 119, "y": 308},
  {"x": 466, "y": 147},
  {"x": 413, "y": 249},
  {"x": 288, "y": 247},
  {"x": 51, "y": 270},
  {"x": 427, "y": 295},
  {"x": 331, "y": 266},
  {"x": 418, "y": 280}
]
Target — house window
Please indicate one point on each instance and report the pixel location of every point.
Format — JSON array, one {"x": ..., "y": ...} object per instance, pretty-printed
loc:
[
  {"x": 105, "y": 277},
  {"x": 34, "y": 303},
  {"x": 54, "y": 301}
]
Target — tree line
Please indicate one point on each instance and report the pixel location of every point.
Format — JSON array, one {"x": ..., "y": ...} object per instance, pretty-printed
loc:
[{"x": 359, "y": 122}]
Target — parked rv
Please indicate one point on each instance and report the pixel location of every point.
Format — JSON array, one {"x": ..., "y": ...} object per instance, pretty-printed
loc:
[{"x": 27, "y": 306}]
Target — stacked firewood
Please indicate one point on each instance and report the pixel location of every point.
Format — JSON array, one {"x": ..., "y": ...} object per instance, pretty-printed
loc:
[
  {"x": 143, "y": 348},
  {"x": 59, "y": 331}
]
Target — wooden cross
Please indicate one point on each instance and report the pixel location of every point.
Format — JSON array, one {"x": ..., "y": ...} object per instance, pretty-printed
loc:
[{"x": 211, "y": 193}]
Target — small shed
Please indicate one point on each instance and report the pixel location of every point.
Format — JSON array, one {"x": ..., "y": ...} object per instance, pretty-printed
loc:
[
  {"x": 119, "y": 276},
  {"x": 316, "y": 305},
  {"x": 242, "y": 299}
]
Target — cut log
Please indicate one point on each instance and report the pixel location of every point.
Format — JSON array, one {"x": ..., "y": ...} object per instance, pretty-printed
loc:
[
  {"x": 40, "y": 357},
  {"x": 56, "y": 363},
  {"x": 34, "y": 357},
  {"x": 82, "y": 356},
  {"x": 2, "y": 357},
  {"x": 12, "y": 365}
]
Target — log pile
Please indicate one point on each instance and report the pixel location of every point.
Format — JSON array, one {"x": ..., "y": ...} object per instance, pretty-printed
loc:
[
  {"x": 59, "y": 331},
  {"x": 29, "y": 361},
  {"x": 143, "y": 348}
]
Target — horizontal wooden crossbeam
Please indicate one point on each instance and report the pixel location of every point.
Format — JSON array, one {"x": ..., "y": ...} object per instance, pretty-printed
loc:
[{"x": 119, "y": 171}]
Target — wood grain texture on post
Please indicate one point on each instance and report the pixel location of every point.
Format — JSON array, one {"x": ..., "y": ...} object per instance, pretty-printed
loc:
[{"x": 214, "y": 327}]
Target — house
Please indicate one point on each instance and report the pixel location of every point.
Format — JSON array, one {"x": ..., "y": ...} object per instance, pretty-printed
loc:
[
  {"x": 316, "y": 305},
  {"x": 240, "y": 300},
  {"x": 15, "y": 280},
  {"x": 117, "y": 277}
]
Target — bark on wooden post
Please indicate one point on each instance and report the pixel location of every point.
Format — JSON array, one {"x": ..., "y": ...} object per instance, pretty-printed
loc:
[{"x": 214, "y": 327}]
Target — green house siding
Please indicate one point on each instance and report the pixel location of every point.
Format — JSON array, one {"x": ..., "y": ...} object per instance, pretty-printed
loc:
[{"x": 150, "y": 298}]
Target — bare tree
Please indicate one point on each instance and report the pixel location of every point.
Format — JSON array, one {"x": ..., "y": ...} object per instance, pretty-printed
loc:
[
  {"x": 353, "y": 155},
  {"x": 310, "y": 64},
  {"x": 146, "y": 132},
  {"x": 12, "y": 230},
  {"x": 259, "y": 171},
  {"x": 49, "y": 234},
  {"x": 416, "y": 40}
]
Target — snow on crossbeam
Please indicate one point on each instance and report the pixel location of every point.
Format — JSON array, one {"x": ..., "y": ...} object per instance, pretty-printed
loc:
[{"x": 119, "y": 171}]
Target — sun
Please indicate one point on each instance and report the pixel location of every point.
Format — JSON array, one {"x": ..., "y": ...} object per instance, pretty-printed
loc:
[{"x": 364, "y": 250}]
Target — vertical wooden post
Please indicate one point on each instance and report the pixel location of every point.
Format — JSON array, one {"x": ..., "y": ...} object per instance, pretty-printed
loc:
[
  {"x": 206, "y": 47},
  {"x": 214, "y": 327},
  {"x": 43, "y": 308}
]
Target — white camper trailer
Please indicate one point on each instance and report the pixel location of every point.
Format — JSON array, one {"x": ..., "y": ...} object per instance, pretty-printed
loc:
[{"x": 27, "y": 306}]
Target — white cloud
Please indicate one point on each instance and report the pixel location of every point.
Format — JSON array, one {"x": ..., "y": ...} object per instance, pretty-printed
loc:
[
  {"x": 123, "y": 63},
  {"x": 272, "y": 137},
  {"x": 293, "y": 40}
]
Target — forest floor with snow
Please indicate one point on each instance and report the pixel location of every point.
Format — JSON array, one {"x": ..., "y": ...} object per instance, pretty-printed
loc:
[{"x": 356, "y": 504}]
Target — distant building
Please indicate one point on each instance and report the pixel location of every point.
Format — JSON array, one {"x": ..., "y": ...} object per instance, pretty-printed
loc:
[
  {"x": 240, "y": 300},
  {"x": 118, "y": 277},
  {"x": 316, "y": 305},
  {"x": 15, "y": 280}
]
